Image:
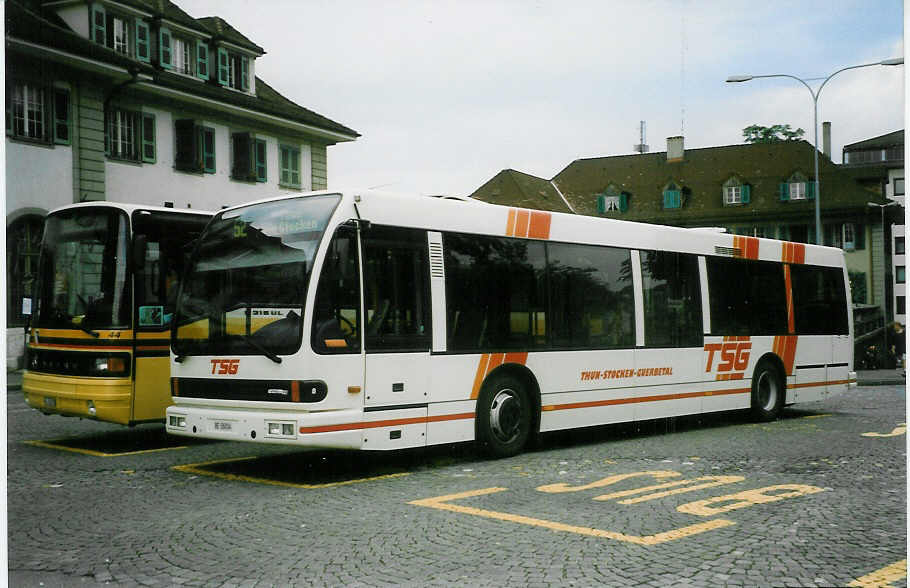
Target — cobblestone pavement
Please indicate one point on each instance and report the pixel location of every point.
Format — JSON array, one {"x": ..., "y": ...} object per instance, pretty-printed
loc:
[{"x": 817, "y": 498}]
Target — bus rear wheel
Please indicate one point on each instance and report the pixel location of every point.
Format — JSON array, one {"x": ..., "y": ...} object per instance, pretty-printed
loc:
[
  {"x": 767, "y": 392},
  {"x": 503, "y": 416}
]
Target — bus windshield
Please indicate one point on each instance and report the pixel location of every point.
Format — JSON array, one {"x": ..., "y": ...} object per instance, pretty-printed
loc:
[
  {"x": 245, "y": 289},
  {"x": 82, "y": 276}
]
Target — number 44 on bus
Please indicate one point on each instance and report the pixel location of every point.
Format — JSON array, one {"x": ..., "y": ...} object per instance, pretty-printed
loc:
[{"x": 375, "y": 321}]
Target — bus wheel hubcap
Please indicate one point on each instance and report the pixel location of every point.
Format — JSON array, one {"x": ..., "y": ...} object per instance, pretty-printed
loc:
[
  {"x": 767, "y": 391},
  {"x": 505, "y": 415}
]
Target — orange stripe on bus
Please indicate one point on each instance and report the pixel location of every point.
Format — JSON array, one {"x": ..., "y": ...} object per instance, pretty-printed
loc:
[
  {"x": 510, "y": 223},
  {"x": 77, "y": 347},
  {"x": 788, "y": 288},
  {"x": 386, "y": 423},
  {"x": 540, "y": 225},
  {"x": 489, "y": 362},
  {"x": 521, "y": 224},
  {"x": 480, "y": 375},
  {"x": 639, "y": 399},
  {"x": 784, "y": 346}
]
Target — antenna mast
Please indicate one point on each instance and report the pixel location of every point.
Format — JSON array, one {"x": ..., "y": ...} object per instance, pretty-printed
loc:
[{"x": 642, "y": 147}]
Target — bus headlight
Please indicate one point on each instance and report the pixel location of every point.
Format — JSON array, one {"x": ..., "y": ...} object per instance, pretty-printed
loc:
[
  {"x": 177, "y": 421},
  {"x": 111, "y": 365},
  {"x": 280, "y": 429}
]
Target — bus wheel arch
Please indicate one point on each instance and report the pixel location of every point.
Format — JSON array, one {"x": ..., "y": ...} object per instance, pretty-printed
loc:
[
  {"x": 508, "y": 411},
  {"x": 769, "y": 388}
]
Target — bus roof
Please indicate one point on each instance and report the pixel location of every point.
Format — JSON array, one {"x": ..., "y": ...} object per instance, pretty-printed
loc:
[
  {"x": 477, "y": 217},
  {"x": 130, "y": 208}
]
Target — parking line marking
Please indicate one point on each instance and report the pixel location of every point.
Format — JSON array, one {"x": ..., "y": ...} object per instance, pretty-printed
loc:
[
  {"x": 444, "y": 503},
  {"x": 883, "y": 577},
  {"x": 52, "y": 445},
  {"x": 900, "y": 429},
  {"x": 197, "y": 468}
]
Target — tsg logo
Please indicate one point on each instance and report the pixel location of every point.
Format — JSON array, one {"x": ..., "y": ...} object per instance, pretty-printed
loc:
[
  {"x": 734, "y": 357},
  {"x": 225, "y": 367}
]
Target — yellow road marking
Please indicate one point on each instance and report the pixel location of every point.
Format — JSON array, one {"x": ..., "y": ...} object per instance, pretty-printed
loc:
[
  {"x": 816, "y": 416},
  {"x": 197, "y": 468},
  {"x": 900, "y": 429},
  {"x": 746, "y": 498},
  {"x": 883, "y": 577},
  {"x": 443, "y": 503},
  {"x": 709, "y": 482},
  {"x": 52, "y": 445}
]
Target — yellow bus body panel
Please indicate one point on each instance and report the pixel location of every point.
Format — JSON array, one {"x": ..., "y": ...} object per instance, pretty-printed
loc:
[
  {"x": 153, "y": 388},
  {"x": 71, "y": 394}
]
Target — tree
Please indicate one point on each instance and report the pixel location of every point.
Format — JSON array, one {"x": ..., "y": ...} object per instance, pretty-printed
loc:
[{"x": 772, "y": 134}]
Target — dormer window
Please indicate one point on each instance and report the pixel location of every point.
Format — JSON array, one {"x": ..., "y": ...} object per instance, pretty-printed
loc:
[
  {"x": 736, "y": 193},
  {"x": 612, "y": 200},
  {"x": 233, "y": 70},
  {"x": 123, "y": 33},
  {"x": 797, "y": 187},
  {"x": 672, "y": 196}
]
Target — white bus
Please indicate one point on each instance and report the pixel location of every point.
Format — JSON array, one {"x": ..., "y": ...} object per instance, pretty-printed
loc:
[{"x": 374, "y": 321}]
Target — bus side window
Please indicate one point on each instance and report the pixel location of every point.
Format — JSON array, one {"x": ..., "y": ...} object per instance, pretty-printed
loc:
[
  {"x": 819, "y": 300},
  {"x": 397, "y": 290},
  {"x": 336, "y": 312}
]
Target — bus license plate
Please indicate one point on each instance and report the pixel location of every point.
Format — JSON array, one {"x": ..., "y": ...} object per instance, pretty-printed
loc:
[
  {"x": 50, "y": 402},
  {"x": 222, "y": 426}
]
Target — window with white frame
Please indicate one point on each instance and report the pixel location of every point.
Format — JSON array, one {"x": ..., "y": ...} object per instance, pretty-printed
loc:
[
  {"x": 733, "y": 195},
  {"x": 182, "y": 56},
  {"x": 797, "y": 190},
  {"x": 900, "y": 274},
  {"x": 611, "y": 203},
  {"x": 898, "y": 186},
  {"x": 28, "y": 112},
  {"x": 122, "y": 135},
  {"x": 849, "y": 236},
  {"x": 120, "y": 34}
]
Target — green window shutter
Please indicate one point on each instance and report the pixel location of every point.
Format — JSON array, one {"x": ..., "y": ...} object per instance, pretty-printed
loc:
[
  {"x": 223, "y": 67},
  {"x": 164, "y": 48},
  {"x": 672, "y": 198},
  {"x": 784, "y": 191},
  {"x": 143, "y": 50},
  {"x": 623, "y": 202},
  {"x": 859, "y": 236},
  {"x": 149, "y": 154},
  {"x": 244, "y": 73},
  {"x": 810, "y": 190},
  {"x": 62, "y": 116},
  {"x": 202, "y": 60},
  {"x": 99, "y": 24},
  {"x": 260, "y": 158},
  {"x": 747, "y": 193},
  {"x": 601, "y": 203}
]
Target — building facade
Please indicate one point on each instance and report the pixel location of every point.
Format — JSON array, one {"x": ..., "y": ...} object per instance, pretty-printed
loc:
[
  {"x": 136, "y": 101},
  {"x": 887, "y": 151}
]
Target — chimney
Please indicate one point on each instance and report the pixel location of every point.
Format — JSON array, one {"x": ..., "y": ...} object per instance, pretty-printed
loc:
[
  {"x": 826, "y": 139},
  {"x": 675, "y": 149}
]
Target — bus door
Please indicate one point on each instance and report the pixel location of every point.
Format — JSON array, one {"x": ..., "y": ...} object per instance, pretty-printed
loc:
[
  {"x": 160, "y": 249},
  {"x": 396, "y": 335}
]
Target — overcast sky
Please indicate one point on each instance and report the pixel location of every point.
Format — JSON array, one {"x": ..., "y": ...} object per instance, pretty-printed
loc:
[{"x": 447, "y": 94}]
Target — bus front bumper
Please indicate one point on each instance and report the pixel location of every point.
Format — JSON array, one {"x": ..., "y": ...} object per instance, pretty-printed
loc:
[
  {"x": 335, "y": 429},
  {"x": 103, "y": 399}
]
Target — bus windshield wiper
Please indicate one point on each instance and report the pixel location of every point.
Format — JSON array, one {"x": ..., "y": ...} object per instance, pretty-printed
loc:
[
  {"x": 259, "y": 347},
  {"x": 84, "y": 329}
]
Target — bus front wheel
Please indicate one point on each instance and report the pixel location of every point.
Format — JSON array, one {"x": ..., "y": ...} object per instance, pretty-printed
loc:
[
  {"x": 503, "y": 416},
  {"x": 767, "y": 392}
]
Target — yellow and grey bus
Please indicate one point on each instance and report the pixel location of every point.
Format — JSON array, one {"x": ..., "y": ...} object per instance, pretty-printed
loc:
[{"x": 97, "y": 342}]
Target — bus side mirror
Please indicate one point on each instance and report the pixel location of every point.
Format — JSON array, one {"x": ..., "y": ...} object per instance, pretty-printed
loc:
[{"x": 140, "y": 247}]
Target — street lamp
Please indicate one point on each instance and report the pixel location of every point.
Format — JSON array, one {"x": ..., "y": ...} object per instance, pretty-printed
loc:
[{"x": 815, "y": 93}]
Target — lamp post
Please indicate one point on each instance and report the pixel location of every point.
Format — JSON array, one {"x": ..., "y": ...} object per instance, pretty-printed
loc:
[
  {"x": 881, "y": 208},
  {"x": 815, "y": 93}
]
